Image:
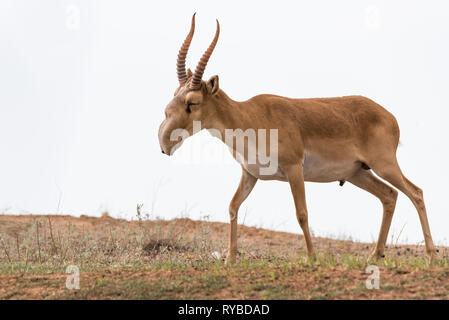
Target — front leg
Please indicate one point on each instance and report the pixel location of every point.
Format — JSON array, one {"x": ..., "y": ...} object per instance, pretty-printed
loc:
[
  {"x": 247, "y": 183},
  {"x": 296, "y": 180}
]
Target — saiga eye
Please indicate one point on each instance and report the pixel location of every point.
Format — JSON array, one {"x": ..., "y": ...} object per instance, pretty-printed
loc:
[{"x": 189, "y": 104}]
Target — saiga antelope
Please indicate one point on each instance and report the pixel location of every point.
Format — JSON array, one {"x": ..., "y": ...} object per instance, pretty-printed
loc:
[{"x": 320, "y": 140}]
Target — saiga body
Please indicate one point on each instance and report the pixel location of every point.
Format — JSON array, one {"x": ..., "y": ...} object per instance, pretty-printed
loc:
[{"x": 320, "y": 140}]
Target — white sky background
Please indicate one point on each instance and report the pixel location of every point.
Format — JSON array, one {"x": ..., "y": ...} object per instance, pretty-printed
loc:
[{"x": 81, "y": 101}]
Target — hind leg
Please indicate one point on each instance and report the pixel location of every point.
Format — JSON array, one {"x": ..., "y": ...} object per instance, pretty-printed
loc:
[
  {"x": 387, "y": 195},
  {"x": 390, "y": 171}
]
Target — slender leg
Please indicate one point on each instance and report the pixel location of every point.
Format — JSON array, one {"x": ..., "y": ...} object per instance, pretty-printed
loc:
[
  {"x": 392, "y": 173},
  {"x": 296, "y": 180},
  {"x": 387, "y": 195},
  {"x": 246, "y": 185}
]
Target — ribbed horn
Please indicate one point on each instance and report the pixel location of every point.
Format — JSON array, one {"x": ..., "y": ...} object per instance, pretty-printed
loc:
[
  {"x": 181, "y": 63},
  {"x": 198, "y": 75}
]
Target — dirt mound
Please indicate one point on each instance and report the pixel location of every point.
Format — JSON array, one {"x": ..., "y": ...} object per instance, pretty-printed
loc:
[{"x": 184, "y": 259}]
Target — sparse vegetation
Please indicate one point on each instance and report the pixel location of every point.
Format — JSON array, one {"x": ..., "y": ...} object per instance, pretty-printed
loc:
[{"x": 179, "y": 259}]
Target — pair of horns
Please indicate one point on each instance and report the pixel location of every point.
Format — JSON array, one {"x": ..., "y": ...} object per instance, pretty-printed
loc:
[{"x": 195, "y": 84}]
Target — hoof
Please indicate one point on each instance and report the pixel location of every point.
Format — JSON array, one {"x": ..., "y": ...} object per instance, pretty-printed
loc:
[
  {"x": 229, "y": 260},
  {"x": 311, "y": 257},
  {"x": 432, "y": 255},
  {"x": 376, "y": 256}
]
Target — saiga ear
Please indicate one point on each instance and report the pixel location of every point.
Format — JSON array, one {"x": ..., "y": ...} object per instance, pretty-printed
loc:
[
  {"x": 212, "y": 85},
  {"x": 189, "y": 73}
]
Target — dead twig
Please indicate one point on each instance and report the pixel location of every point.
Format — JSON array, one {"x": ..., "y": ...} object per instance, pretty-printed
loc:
[
  {"x": 5, "y": 249},
  {"x": 38, "y": 242},
  {"x": 53, "y": 243}
]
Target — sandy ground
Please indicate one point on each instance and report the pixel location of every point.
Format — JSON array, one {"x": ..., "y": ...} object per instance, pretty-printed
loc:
[{"x": 266, "y": 267}]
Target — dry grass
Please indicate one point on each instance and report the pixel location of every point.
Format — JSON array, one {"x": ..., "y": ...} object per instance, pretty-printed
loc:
[
  {"x": 184, "y": 259},
  {"x": 29, "y": 242}
]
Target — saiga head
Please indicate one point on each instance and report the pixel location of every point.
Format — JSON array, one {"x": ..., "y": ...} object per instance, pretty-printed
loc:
[{"x": 192, "y": 99}]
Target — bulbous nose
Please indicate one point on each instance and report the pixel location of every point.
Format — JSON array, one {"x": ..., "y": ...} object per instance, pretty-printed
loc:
[{"x": 162, "y": 151}]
